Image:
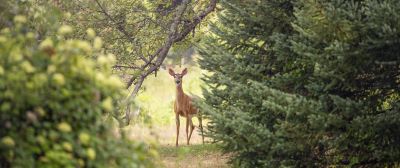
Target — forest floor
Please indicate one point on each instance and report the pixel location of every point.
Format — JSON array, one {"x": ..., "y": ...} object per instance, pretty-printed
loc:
[{"x": 195, "y": 155}]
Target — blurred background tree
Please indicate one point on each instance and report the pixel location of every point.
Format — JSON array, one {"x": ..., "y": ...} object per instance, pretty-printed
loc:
[{"x": 305, "y": 83}]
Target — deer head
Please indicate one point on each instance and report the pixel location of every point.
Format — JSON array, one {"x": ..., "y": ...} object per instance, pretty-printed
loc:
[{"x": 177, "y": 77}]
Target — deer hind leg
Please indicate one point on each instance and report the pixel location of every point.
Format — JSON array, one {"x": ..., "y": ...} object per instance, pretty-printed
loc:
[
  {"x": 177, "y": 128},
  {"x": 191, "y": 126},
  {"x": 201, "y": 125},
  {"x": 187, "y": 129}
]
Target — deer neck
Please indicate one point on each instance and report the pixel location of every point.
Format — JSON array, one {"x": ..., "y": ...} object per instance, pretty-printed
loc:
[{"x": 179, "y": 93}]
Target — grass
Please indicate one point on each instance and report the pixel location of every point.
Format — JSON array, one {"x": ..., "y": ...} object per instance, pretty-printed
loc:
[
  {"x": 194, "y": 150},
  {"x": 197, "y": 155}
]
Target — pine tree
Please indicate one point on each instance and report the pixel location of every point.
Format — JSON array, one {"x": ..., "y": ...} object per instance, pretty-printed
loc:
[
  {"x": 241, "y": 58},
  {"x": 305, "y": 83},
  {"x": 353, "y": 49}
]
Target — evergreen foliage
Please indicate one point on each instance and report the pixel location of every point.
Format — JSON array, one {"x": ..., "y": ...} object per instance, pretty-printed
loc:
[{"x": 305, "y": 83}]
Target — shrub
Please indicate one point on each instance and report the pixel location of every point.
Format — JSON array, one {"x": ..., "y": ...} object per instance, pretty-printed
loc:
[{"x": 53, "y": 104}]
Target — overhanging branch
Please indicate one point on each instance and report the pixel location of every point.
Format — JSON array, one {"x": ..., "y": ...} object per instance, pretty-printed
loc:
[
  {"x": 153, "y": 63},
  {"x": 175, "y": 37},
  {"x": 195, "y": 21}
]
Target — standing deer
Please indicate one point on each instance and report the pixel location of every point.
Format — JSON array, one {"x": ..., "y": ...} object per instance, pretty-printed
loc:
[{"x": 183, "y": 107}]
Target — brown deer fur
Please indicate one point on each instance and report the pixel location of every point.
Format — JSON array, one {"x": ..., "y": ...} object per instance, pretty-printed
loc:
[{"x": 183, "y": 107}]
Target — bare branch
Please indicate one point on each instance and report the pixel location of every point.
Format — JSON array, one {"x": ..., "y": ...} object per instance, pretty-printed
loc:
[
  {"x": 195, "y": 21},
  {"x": 162, "y": 53},
  {"x": 176, "y": 37},
  {"x": 126, "y": 66},
  {"x": 144, "y": 66},
  {"x": 177, "y": 31}
]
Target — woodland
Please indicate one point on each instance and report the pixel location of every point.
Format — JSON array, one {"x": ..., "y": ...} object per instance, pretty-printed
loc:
[{"x": 199, "y": 83}]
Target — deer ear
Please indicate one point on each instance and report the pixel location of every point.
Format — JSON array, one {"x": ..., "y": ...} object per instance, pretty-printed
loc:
[
  {"x": 171, "y": 72},
  {"x": 184, "y": 72}
]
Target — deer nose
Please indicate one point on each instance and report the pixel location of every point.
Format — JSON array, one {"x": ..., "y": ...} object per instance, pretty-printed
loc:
[{"x": 177, "y": 82}]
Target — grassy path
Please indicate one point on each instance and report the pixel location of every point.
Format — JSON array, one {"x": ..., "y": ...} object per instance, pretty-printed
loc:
[{"x": 197, "y": 155}]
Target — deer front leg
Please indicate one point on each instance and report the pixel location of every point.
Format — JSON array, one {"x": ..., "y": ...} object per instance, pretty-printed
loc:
[{"x": 177, "y": 128}]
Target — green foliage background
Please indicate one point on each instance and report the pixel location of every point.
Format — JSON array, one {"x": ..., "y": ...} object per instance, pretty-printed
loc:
[{"x": 305, "y": 83}]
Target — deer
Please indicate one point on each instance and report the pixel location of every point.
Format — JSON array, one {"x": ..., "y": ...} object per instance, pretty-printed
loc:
[{"x": 183, "y": 106}]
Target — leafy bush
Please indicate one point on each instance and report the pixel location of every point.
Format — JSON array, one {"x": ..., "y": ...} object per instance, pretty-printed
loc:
[{"x": 53, "y": 103}]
